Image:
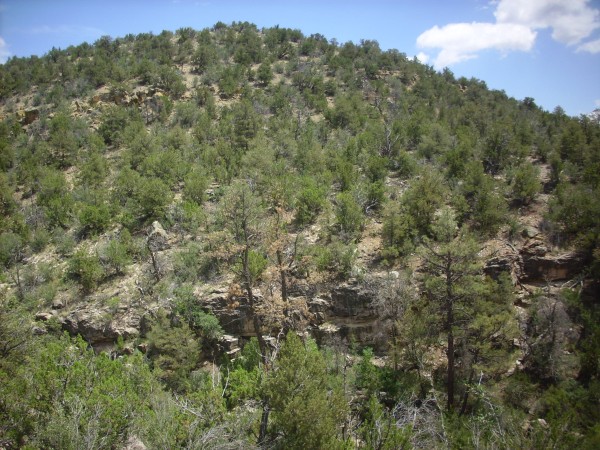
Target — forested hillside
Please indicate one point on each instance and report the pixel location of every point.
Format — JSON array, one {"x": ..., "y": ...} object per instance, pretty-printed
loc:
[{"x": 239, "y": 238}]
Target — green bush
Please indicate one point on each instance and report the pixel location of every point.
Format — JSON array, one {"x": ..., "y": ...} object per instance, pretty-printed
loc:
[
  {"x": 349, "y": 216},
  {"x": 309, "y": 202},
  {"x": 205, "y": 324},
  {"x": 94, "y": 219},
  {"x": 86, "y": 269},
  {"x": 55, "y": 198},
  {"x": 174, "y": 351},
  {"x": 194, "y": 188},
  {"x": 115, "y": 256},
  {"x": 114, "y": 121},
  {"x": 398, "y": 232},
  {"x": 524, "y": 182},
  {"x": 40, "y": 239},
  {"x": 152, "y": 196},
  {"x": 337, "y": 258}
]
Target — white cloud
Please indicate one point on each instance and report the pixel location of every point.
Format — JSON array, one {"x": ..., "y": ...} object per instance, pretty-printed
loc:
[
  {"x": 571, "y": 21},
  {"x": 590, "y": 47},
  {"x": 423, "y": 57},
  {"x": 462, "y": 41},
  {"x": 4, "y": 53},
  {"x": 597, "y": 102}
]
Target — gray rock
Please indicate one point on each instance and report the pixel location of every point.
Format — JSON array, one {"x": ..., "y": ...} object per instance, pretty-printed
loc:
[
  {"x": 530, "y": 232},
  {"x": 43, "y": 316},
  {"x": 134, "y": 443},
  {"x": 158, "y": 239},
  {"x": 38, "y": 331},
  {"x": 58, "y": 304}
]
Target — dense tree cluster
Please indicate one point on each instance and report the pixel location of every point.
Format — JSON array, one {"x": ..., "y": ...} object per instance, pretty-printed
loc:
[{"x": 242, "y": 143}]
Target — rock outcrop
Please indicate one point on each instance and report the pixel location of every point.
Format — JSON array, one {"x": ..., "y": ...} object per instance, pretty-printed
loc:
[
  {"x": 27, "y": 117},
  {"x": 158, "y": 239},
  {"x": 101, "y": 327},
  {"x": 538, "y": 265}
]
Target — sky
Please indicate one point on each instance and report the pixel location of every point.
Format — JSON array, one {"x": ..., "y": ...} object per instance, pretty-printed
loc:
[{"x": 545, "y": 49}]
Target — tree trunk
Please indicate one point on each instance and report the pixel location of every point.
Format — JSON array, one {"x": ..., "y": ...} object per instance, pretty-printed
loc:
[
  {"x": 262, "y": 344},
  {"x": 283, "y": 275},
  {"x": 17, "y": 279},
  {"x": 450, "y": 357},
  {"x": 264, "y": 422},
  {"x": 463, "y": 407},
  {"x": 450, "y": 331}
]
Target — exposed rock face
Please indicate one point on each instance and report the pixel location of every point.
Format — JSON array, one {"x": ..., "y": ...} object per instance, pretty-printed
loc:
[
  {"x": 233, "y": 313},
  {"x": 28, "y": 117},
  {"x": 158, "y": 239},
  {"x": 98, "y": 327},
  {"x": 533, "y": 263},
  {"x": 58, "y": 304},
  {"x": 539, "y": 266},
  {"x": 506, "y": 263},
  {"x": 43, "y": 316},
  {"x": 347, "y": 312},
  {"x": 352, "y": 300}
]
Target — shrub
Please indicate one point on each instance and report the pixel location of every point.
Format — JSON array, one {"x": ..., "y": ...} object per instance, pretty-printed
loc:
[
  {"x": 173, "y": 350},
  {"x": 116, "y": 256},
  {"x": 204, "y": 323},
  {"x": 348, "y": 216},
  {"x": 195, "y": 184},
  {"x": 309, "y": 202},
  {"x": 94, "y": 218},
  {"x": 525, "y": 182},
  {"x": 337, "y": 258},
  {"x": 152, "y": 196},
  {"x": 86, "y": 269}
]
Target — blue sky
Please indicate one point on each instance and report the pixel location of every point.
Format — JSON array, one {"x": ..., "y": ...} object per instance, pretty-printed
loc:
[{"x": 545, "y": 49}]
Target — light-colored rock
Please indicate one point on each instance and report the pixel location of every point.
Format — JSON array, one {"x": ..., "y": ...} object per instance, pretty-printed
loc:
[
  {"x": 134, "y": 443},
  {"x": 143, "y": 347},
  {"x": 43, "y": 316},
  {"x": 58, "y": 304},
  {"x": 158, "y": 239},
  {"x": 530, "y": 232}
]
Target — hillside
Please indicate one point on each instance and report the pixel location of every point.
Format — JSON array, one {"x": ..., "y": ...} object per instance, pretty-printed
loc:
[{"x": 240, "y": 238}]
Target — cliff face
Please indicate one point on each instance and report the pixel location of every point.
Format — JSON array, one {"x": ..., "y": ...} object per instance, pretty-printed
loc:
[{"x": 333, "y": 312}]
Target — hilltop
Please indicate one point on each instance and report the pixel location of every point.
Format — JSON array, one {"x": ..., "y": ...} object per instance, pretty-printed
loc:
[{"x": 184, "y": 201}]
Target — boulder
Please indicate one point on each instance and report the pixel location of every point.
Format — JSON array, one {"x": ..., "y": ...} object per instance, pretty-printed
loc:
[
  {"x": 158, "y": 239},
  {"x": 134, "y": 443},
  {"x": 504, "y": 263},
  {"x": 43, "y": 316},
  {"x": 58, "y": 304},
  {"x": 39, "y": 331},
  {"x": 530, "y": 232},
  {"x": 143, "y": 347}
]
